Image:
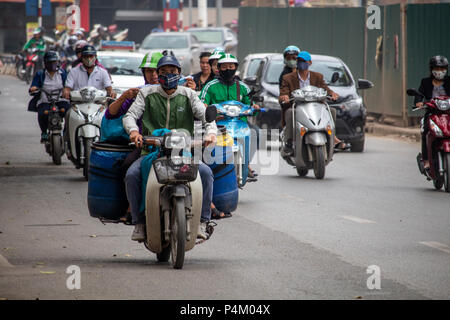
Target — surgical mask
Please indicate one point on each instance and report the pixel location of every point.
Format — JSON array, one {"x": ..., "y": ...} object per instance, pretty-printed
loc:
[
  {"x": 291, "y": 63},
  {"x": 89, "y": 62},
  {"x": 302, "y": 65},
  {"x": 227, "y": 75},
  {"x": 51, "y": 66},
  {"x": 169, "y": 81},
  {"x": 439, "y": 75}
]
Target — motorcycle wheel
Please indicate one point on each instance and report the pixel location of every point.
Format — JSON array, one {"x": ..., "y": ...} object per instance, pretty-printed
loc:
[
  {"x": 178, "y": 233},
  {"x": 19, "y": 73},
  {"x": 302, "y": 172},
  {"x": 319, "y": 162},
  {"x": 57, "y": 149},
  {"x": 438, "y": 183},
  {"x": 87, "y": 156},
  {"x": 446, "y": 172}
]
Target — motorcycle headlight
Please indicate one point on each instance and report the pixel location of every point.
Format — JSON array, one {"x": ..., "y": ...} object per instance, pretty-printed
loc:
[
  {"x": 437, "y": 131},
  {"x": 176, "y": 141},
  {"x": 54, "y": 121},
  {"x": 232, "y": 110},
  {"x": 309, "y": 93},
  {"x": 87, "y": 94},
  {"x": 443, "y": 105}
]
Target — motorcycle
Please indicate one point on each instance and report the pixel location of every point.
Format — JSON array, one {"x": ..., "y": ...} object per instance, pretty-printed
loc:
[
  {"x": 230, "y": 114},
  {"x": 83, "y": 125},
  {"x": 54, "y": 145},
  {"x": 173, "y": 195},
  {"x": 31, "y": 61},
  {"x": 313, "y": 133},
  {"x": 438, "y": 141}
]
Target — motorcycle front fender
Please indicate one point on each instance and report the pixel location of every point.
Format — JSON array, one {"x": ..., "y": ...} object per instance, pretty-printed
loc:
[{"x": 316, "y": 138}]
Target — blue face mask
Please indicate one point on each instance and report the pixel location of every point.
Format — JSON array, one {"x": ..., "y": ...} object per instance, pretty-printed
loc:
[
  {"x": 302, "y": 65},
  {"x": 169, "y": 81}
]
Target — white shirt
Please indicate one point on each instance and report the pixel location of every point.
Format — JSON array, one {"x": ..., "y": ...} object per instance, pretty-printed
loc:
[
  {"x": 304, "y": 83},
  {"x": 50, "y": 84},
  {"x": 79, "y": 78}
]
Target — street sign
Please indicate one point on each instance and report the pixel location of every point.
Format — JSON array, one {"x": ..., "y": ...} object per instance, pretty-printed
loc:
[{"x": 31, "y": 8}]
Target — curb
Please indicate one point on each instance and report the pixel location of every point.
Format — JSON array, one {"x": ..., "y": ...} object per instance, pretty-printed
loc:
[{"x": 385, "y": 130}]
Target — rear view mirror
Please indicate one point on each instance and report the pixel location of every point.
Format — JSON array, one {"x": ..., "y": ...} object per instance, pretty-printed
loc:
[
  {"x": 210, "y": 113},
  {"x": 251, "y": 81},
  {"x": 258, "y": 99},
  {"x": 364, "y": 84},
  {"x": 413, "y": 93}
]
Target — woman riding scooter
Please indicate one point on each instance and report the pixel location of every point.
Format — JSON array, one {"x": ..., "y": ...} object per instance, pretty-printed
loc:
[
  {"x": 437, "y": 84},
  {"x": 49, "y": 79}
]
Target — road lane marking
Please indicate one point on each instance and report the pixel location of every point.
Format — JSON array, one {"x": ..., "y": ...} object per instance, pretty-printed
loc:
[
  {"x": 5, "y": 263},
  {"x": 437, "y": 245},
  {"x": 356, "y": 219}
]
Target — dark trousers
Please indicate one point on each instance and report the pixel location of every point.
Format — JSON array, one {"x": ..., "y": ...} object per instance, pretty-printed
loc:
[
  {"x": 43, "y": 118},
  {"x": 424, "y": 135}
]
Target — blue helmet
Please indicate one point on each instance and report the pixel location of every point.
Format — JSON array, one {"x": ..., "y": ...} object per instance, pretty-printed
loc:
[
  {"x": 168, "y": 59},
  {"x": 291, "y": 50},
  {"x": 304, "y": 55}
]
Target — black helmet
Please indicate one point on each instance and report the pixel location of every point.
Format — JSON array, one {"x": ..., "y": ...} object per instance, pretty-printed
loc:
[
  {"x": 88, "y": 50},
  {"x": 168, "y": 59},
  {"x": 438, "y": 61},
  {"x": 51, "y": 56}
]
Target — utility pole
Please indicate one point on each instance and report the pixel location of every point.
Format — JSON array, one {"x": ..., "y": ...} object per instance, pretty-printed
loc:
[
  {"x": 218, "y": 13},
  {"x": 39, "y": 13},
  {"x": 180, "y": 18},
  {"x": 190, "y": 12},
  {"x": 202, "y": 13}
]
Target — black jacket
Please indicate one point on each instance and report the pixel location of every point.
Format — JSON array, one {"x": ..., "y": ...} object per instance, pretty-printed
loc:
[
  {"x": 286, "y": 70},
  {"x": 198, "y": 85},
  {"x": 426, "y": 88}
]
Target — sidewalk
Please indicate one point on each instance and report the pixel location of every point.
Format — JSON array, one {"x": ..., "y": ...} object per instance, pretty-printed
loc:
[{"x": 379, "y": 129}]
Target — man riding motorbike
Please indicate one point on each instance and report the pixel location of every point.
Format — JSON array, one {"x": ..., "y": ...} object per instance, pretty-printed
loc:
[
  {"x": 37, "y": 41},
  {"x": 298, "y": 79},
  {"x": 88, "y": 74},
  {"x": 169, "y": 106},
  {"x": 437, "y": 84},
  {"x": 49, "y": 79}
]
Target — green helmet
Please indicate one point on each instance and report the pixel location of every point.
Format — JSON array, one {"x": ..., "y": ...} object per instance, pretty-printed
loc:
[
  {"x": 227, "y": 58},
  {"x": 216, "y": 54},
  {"x": 151, "y": 61}
]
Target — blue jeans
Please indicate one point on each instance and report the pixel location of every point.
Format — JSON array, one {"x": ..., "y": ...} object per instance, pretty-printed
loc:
[{"x": 133, "y": 183}]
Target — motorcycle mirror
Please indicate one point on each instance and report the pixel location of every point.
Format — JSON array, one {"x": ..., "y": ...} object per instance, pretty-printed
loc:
[
  {"x": 335, "y": 77},
  {"x": 258, "y": 99},
  {"x": 211, "y": 113},
  {"x": 251, "y": 81},
  {"x": 413, "y": 93}
]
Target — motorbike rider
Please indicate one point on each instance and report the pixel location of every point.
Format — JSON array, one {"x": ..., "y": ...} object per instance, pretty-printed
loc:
[
  {"x": 437, "y": 84},
  {"x": 298, "y": 79},
  {"x": 170, "y": 106},
  {"x": 206, "y": 74},
  {"x": 290, "y": 61},
  {"x": 37, "y": 41},
  {"x": 88, "y": 74},
  {"x": 51, "y": 78}
]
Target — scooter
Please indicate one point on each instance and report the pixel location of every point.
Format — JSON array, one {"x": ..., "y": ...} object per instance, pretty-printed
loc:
[
  {"x": 54, "y": 146},
  {"x": 313, "y": 133},
  {"x": 83, "y": 125},
  {"x": 438, "y": 140},
  {"x": 173, "y": 195},
  {"x": 31, "y": 61},
  {"x": 230, "y": 114}
]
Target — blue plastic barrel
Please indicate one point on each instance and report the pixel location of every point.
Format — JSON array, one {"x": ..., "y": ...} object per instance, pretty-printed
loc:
[
  {"x": 225, "y": 192},
  {"x": 106, "y": 188}
]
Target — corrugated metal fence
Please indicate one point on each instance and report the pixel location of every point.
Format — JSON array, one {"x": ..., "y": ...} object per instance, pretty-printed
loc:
[{"x": 377, "y": 54}]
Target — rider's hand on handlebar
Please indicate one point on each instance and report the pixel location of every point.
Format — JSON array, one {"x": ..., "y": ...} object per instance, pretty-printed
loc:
[
  {"x": 210, "y": 139},
  {"x": 256, "y": 107},
  {"x": 136, "y": 137},
  {"x": 66, "y": 93},
  {"x": 284, "y": 99},
  {"x": 33, "y": 89},
  {"x": 419, "y": 104},
  {"x": 334, "y": 96}
]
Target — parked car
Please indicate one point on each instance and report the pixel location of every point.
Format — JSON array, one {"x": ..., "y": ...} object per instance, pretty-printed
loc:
[
  {"x": 250, "y": 65},
  {"x": 184, "y": 45},
  {"x": 124, "y": 69},
  {"x": 351, "y": 111},
  {"x": 211, "y": 38}
]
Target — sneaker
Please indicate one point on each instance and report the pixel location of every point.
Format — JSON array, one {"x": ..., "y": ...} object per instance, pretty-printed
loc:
[
  {"x": 202, "y": 232},
  {"x": 139, "y": 232},
  {"x": 44, "y": 137}
]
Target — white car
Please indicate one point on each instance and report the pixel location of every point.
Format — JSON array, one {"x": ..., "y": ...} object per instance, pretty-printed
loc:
[{"x": 124, "y": 69}]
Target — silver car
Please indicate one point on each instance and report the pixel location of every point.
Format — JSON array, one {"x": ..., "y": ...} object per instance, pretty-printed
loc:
[
  {"x": 211, "y": 38},
  {"x": 184, "y": 45}
]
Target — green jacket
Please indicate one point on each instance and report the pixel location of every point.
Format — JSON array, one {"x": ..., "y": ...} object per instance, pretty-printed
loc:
[
  {"x": 160, "y": 110},
  {"x": 40, "y": 44},
  {"x": 216, "y": 91}
]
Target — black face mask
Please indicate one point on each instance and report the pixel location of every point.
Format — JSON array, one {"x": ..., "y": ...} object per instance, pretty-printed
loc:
[{"x": 227, "y": 75}]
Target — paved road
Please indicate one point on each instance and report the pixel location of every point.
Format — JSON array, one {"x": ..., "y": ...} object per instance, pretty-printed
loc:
[{"x": 291, "y": 237}]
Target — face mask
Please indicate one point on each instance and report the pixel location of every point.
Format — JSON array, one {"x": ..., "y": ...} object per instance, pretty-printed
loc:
[
  {"x": 439, "y": 75},
  {"x": 302, "y": 65},
  {"x": 51, "y": 66},
  {"x": 290, "y": 63},
  {"x": 228, "y": 74},
  {"x": 89, "y": 62},
  {"x": 169, "y": 81}
]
